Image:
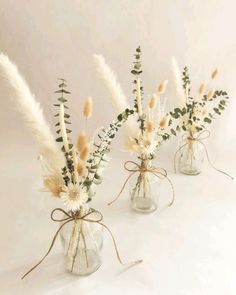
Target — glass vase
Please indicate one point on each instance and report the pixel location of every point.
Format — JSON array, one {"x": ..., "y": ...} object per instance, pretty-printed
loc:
[
  {"x": 144, "y": 190},
  {"x": 191, "y": 155},
  {"x": 82, "y": 243}
]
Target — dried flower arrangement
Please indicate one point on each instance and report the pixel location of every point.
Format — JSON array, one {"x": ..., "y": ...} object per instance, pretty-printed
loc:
[
  {"x": 194, "y": 114},
  {"x": 73, "y": 170},
  {"x": 200, "y": 110},
  {"x": 147, "y": 129},
  {"x": 86, "y": 159}
]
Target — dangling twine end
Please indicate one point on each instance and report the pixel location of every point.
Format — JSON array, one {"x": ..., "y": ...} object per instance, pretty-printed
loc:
[
  {"x": 231, "y": 177},
  {"x": 171, "y": 203},
  {"x": 110, "y": 203},
  {"x": 133, "y": 263}
]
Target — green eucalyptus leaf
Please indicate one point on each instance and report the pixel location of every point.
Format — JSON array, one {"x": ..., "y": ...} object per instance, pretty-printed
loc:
[{"x": 207, "y": 120}]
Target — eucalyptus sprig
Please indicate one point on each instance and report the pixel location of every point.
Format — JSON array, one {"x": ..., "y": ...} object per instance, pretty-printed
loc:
[
  {"x": 97, "y": 158},
  {"x": 198, "y": 111},
  {"x": 138, "y": 90},
  {"x": 85, "y": 159},
  {"x": 153, "y": 122},
  {"x": 63, "y": 131}
]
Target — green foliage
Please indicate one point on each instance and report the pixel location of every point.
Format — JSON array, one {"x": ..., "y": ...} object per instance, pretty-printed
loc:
[
  {"x": 62, "y": 100},
  {"x": 136, "y": 71},
  {"x": 186, "y": 81},
  {"x": 68, "y": 171},
  {"x": 207, "y": 120},
  {"x": 192, "y": 111},
  {"x": 102, "y": 148}
]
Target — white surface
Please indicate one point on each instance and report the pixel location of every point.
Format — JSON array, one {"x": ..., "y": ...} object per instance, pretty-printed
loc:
[{"x": 188, "y": 249}]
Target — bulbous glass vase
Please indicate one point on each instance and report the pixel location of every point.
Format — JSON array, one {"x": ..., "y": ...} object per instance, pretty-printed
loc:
[
  {"x": 82, "y": 243},
  {"x": 144, "y": 190},
  {"x": 191, "y": 155}
]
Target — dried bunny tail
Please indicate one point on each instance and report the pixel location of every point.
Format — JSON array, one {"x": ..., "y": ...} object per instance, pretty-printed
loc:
[
  {"x": 81, "y": 168},
  {"x": 202, "y": 88},
  {"x": 82, "y": 141},
  {"x": 84, "y": 155},
  {"x": 162, "y": 87},
  {"x": 32, "y": 113},
  {"x": 214, "y": 74},
  {"x": 150, "y": 126},
  {"x": 178, "y": 81},
  {"x": 117, "y": 95},
  {"x": 153, "y": 101},
  {"x": 88, "y": 107},
  {"x": 210, "y": 94}
]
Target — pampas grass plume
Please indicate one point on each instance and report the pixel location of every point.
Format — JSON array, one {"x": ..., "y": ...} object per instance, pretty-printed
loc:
[
  {"x": 116, "y": 93},
  {"x": 88, "y": 107},
  {"x": 178, "y": 82},
  {"x": 32, "y": 114}
]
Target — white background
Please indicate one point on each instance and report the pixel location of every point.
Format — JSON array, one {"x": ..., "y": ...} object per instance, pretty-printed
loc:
[{"x": 187, "y": 249}]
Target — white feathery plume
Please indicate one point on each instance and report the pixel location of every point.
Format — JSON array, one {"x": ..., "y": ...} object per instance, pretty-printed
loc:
[
  {"x": 158, "y": 113},
  {"x": 178, "y": 81},
  {"x": 117, "y": 95},
  {"x": 32, "y": 113}
]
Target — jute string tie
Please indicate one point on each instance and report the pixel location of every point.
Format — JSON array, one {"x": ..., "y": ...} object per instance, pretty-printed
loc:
[
  {"x": 92, "y": 216},
  {"x": 199, "y": 138},
  {"x": 136, "y": 168}
]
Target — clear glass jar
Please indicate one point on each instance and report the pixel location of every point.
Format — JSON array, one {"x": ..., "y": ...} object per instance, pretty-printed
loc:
[
  {"x": 144, "y": 190},
  {"x": 82, "y": 242},
  {"x": 191, "y": 155}
]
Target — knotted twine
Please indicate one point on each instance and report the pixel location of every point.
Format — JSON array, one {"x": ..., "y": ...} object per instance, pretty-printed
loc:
[
  {"x": 158, "y": 172},
  {"x": 74, "y": 216},
  {"x": 199, "y": 138}
]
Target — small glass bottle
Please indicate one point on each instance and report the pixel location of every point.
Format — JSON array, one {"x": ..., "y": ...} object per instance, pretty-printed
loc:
[
  {"x": 144, "y": 189},
  {"x": 82, "y": 243},
  {"x": 191, "y": 155}
]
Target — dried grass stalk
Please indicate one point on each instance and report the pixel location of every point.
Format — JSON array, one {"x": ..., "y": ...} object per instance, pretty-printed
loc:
[
  {"x": 214, "y": 74},
  {"x": 81, "y": 168},
  {"x": 162, "y": 87},
  {"x": 82, "y": 141},
  {"x": 84, "y": 155},
  {"x": 88, "y": 107},
  {"x": 153, "y": 102}
]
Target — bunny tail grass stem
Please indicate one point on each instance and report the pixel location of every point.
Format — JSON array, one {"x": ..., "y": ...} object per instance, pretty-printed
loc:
[{"x": 63, "y": 128}]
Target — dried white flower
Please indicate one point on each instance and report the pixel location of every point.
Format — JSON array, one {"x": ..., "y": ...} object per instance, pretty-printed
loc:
[{"x": 74, "y": 197}]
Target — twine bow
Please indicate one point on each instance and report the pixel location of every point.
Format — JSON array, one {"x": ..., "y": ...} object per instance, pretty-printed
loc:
[
  {"x": 74, "y": 216},
  {"x": 199, "y": 138},
  {"x": 158, "y": 172}
]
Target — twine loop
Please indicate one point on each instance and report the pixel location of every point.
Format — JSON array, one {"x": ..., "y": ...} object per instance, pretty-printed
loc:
[
  {"x": 160, "y": 173},
  {"x": 93, "y": 216},
  {"x": 199, "y": 138}
]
